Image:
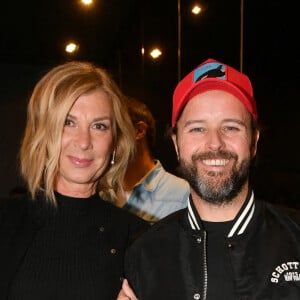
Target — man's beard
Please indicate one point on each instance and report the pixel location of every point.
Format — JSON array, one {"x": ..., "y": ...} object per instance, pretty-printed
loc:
[{"x": 212, "y": 187}]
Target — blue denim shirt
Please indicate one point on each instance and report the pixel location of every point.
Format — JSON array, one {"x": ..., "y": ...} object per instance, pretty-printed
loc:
[{"x": 158, "y": 194}]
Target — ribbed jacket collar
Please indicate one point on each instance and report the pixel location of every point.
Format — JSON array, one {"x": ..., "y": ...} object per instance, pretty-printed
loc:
[{"x": 240, "y": 222}]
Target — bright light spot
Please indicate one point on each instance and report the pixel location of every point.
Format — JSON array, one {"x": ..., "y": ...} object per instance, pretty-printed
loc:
[
  {"x": 143, "y": 51},
  {"x": 155, "y": 53},
  {"x": 87, "y": 2},
  {"x": 71, "y": 48},
  {"x": 196, "y": 10}
]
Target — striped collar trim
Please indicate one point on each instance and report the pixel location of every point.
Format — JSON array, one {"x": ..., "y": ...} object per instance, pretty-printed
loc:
[{"x": 240, "y": 223}]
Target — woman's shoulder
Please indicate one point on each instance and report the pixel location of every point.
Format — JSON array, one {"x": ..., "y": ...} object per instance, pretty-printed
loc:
[
  {"x": 118, "y": 214},
  {"x": 12, "y": 208},
  {"x": 120, "y": 222},
  {"x": 11, "y": 203}
]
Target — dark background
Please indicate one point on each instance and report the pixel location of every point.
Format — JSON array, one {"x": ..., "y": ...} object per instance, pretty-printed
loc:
[{"x": 111, "y": 34}]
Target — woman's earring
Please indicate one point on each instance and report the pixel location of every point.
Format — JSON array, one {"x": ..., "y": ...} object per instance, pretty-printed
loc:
[{"x": 112, "y": 162}]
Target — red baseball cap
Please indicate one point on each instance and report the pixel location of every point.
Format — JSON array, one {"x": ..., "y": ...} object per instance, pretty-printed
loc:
[{"x": 213, "y": 75}]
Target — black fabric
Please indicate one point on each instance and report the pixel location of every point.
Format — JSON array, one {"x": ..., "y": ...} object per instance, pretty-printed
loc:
[
  {"x": 220, "y": 283},
  {"x": 167, "y": 261},
  {"x": 73, "y": 252}
]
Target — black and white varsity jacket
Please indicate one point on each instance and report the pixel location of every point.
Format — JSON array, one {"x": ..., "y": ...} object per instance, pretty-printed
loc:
[{"x": 170, "y": 260}]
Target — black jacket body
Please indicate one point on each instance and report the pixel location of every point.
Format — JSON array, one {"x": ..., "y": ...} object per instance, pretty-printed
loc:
[{"x": 263, "y": 247}]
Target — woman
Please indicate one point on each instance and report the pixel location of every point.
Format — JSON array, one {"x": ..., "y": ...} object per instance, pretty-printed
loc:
[{"x": 63, "y": 241}]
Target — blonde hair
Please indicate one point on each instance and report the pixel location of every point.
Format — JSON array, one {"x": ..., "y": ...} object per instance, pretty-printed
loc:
[{"x": 49, "y": 104}]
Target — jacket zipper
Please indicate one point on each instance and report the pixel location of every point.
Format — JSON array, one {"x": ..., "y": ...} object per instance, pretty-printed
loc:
[{"x": 204, "y": 267}]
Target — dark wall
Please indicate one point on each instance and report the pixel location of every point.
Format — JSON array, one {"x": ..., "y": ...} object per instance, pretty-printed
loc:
[
  {"x": 17, "y": 82},
  {"x": 277, "y": 171}
]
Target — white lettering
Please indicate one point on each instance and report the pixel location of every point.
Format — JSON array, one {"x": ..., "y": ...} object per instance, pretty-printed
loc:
[
  {"x": 279, "y": 270},
  {"x": 274, "y": 280},
  {"x": 284, "y": 268},
  {"x": 292, "y": 276}
]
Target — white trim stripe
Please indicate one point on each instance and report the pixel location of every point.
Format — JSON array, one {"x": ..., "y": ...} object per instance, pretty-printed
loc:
[
  {"x": 193, "y": 221},
  {"x": 242, "y": 216},
  {"x": 247, "y": 220}
]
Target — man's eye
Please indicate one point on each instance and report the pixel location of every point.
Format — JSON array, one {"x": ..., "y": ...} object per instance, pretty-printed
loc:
[
  {"x": 231, "y": 128},
  {"x": 197, "y": 129}
]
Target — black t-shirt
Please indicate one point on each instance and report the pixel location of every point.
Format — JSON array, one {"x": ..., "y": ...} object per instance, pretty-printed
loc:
[{"x": 220, "y": 277}]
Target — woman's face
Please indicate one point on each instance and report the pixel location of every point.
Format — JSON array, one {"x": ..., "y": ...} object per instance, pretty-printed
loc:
[{"x": 87, "y": 144}]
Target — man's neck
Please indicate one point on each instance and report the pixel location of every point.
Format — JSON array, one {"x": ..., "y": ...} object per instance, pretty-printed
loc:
[
  {"x": 137, "y": 169},
  {"x": 219, "y": 212}
]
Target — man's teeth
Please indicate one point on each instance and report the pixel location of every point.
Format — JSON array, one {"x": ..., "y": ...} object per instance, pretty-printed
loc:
[{"x": 215, "y": 162}]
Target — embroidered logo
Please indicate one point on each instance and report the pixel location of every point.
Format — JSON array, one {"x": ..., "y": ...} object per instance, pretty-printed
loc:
[
  {"x": 288, "y": 271},
  {"x": 212, "y": 69}
]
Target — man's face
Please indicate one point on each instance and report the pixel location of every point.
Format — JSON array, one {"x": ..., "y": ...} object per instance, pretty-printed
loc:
[{"x": 215, "y": 145}]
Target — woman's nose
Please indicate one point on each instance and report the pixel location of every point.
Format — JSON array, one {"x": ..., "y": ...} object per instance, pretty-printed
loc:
[{"x": 83, "y": 139}]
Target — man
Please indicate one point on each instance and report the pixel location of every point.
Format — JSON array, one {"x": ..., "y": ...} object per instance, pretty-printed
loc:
[
  {"x": 225, "y": 244},
  {"x": 150, "y": 191}
]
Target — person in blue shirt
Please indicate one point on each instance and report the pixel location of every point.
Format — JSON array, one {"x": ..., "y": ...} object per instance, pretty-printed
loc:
[{"x": 150, "y": 191}]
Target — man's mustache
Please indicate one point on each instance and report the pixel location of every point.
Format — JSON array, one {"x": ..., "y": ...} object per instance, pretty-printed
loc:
[{"x": 214, "y": 155}]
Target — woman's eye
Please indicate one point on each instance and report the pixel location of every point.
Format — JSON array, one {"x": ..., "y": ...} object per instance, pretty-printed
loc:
[
  {"x": 69, "y": 122},
  {"x": 100, "y": 126}
]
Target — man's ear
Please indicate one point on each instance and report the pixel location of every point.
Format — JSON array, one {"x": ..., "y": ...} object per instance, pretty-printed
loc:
[
  {"x": 140, "y": 130},
  {"x": 254, "y": 143},
  {"x": 174, "y": 139}
]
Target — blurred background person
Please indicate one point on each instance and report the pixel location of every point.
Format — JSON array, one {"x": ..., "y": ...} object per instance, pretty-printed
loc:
[
  {"x": 62, "y": 241},
  {"x": 150, "y": 191}
]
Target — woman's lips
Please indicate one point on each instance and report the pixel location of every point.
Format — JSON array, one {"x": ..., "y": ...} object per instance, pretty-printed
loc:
[{"x": 80, "y": 162}]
